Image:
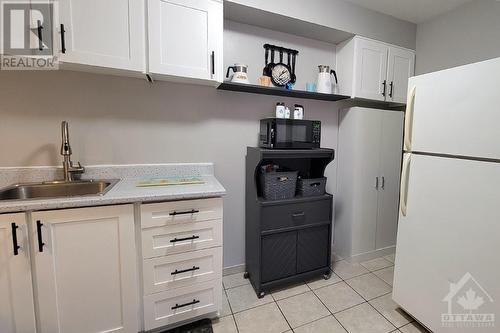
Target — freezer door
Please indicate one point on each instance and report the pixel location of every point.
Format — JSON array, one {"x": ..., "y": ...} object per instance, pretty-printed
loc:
[
  {"x": 456, "y": 111},
  {"x": 451, "y": 229}
]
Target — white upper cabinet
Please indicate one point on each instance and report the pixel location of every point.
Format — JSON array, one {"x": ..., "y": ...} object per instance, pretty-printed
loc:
[
  {"x": 102, "y": 33},
  {"x": 374, "y": 70},
  {"x": 86, "y": 270},
  {"x": 371, "y": 69},
  {"x": 17, "y": 312},
  {"x": 401, "y": 66},
  {"x": 185, "y": 38}
]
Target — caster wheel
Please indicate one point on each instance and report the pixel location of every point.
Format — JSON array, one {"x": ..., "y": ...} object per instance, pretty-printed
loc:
[
  {"x": 246, "y": 275},
  {"x": 327, "y": 276},
  {"x": 261, "y": 294}
]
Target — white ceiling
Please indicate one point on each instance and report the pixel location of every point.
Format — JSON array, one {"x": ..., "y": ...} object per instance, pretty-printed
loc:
[{"x": 416, "y": 11}]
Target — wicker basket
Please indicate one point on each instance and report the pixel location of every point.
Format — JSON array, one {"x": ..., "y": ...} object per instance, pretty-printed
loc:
[
  {"x": 311, "y": 187},
  {"x": 278, "y": 185}
]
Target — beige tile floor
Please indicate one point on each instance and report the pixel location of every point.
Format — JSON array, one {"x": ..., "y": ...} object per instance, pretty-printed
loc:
[{"x": 356, "y": 299}]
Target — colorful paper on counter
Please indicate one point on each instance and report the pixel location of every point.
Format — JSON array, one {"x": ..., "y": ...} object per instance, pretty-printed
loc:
[{"x": 169, "y": 181}]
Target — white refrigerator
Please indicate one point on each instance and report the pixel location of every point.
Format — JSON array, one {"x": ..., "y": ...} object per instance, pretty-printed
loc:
[{"x": 447, "y": 269}]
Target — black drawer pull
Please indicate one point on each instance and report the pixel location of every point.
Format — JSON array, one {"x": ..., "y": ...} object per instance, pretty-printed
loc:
[
  {"x": 301, "y": 214},
  {"x": 178, "y": 306},
  {"x": 63, "y": 39},
  {"x": 185, "y": 270},
  {"x": 14, "y": 239},
  {"x": 192, "y": 211},
  {"x": 184, "y": 239},
  {"x": 39, "y": 225}
]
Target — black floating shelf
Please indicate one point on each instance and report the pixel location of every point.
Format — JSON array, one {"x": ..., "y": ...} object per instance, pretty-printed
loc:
[{"x": 255, "y": 89}]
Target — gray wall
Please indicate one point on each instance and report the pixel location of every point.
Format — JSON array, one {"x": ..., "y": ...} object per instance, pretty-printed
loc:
[
  {"x": 468, "y": 34},
  {"x": 342, "y": 15},
  {"x": 115, "y": 120}
]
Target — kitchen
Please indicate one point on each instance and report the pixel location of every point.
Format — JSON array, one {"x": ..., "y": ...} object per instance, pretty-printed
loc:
[{"x": 117, "y": 120}]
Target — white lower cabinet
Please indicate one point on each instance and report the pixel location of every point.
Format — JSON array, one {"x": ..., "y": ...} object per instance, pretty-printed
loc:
[
  {"x": 182, "y": 265},
  {"x": 86, "y": 272},
  {"x": 17, "y": 312},
  {"x": 170, "y": 307},
  {"x": 164, "y": 273}
]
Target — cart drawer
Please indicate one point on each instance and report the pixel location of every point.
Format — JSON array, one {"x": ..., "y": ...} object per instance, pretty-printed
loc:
[
  {"x": 179, "y": 238},
  {"x": 180, "y": 304},
  {"x": 175, "y": 212},
  {"x": 302, "y": 213},
  {"x": 183, "y": 269}
]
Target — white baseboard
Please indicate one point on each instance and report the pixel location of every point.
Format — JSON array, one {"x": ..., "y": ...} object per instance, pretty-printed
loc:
[
  {"x": 233, "y": 269},
  {"x": 371, "y": 255}
]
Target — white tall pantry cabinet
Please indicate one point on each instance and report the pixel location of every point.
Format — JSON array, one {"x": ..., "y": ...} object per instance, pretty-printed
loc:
[
  {"x": 86, "y": 270},
  {"x": 368, "y": 180},
  {"x": 17, "y": 312},
  {"x": 374, "y": 70}
]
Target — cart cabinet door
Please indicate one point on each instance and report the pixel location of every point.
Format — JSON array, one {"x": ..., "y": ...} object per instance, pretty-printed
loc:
[
  {"x": 312, "y": 248},
  {"x": 279, "y": 256}
]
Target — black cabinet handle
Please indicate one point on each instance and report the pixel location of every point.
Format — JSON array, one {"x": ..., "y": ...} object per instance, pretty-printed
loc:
[
  {"x": 185, "y": 270},
  {"x": 184, "y": 239},
  {"x": 192, "y": 211},
  {"x": 39, "y": 225},
  {"x": 385, "y": 87},
  {"x": 40, "y": 37},
  {"x": 177, "y": 306},
  {"x": 63, "y": 39},
  {"x": 391, "y": 89},
  {"x": 14, "y": 239},
  {"x": 301, "y": 214},
  {"x": 213, "y": 62}
]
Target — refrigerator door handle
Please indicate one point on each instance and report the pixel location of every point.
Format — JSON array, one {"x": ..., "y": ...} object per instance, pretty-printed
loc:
[
  {"x": 405, "y": 177},
  {"x": 410, "y": 105}
]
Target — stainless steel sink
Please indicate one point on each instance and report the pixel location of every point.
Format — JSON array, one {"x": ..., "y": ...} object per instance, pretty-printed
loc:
[{"x": 56, "y": 189}]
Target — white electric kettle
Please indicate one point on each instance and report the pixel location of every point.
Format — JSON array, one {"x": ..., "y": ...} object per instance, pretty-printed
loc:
[
  {"x": 240, "y": 73},
  {"x": 325, "y": 84}
]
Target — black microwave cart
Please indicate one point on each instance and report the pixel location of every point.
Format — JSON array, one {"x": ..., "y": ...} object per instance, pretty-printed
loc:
[{"x": 287, "y": 240}]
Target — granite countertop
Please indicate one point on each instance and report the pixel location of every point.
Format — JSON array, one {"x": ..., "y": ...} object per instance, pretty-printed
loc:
[{"x": 125, "y": 191}]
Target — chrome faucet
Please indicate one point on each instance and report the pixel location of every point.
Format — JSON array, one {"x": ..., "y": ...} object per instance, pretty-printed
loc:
[{"x": 69, "y": 169}]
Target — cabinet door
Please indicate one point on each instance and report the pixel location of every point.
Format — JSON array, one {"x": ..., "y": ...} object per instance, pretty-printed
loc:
[
  {"x": 370, "y": 69},
  {"x": 16, "y": 295},
  {"x": 390, "y": 172},
  {"x": 401, "y": 67},
  {"x": 86, "y": 270},
  {"x": 279, "y": 256},
  {"x": 185, "y": 38},
  {"x": 103, "y": 33},
  {"x": 313, "y": 248}
]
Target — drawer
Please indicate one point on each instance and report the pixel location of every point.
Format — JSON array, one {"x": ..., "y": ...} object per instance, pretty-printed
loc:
[
  {"x": 180, "y": 304},
  {"x": 179, "y": 238},
  {"x": 174, "y": 212},
  {"x": 183, "y": 269},
  {"x": 300, "y": 213}
]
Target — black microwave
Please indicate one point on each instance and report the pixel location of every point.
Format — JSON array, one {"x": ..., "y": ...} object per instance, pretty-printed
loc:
[{"x": 279, "y": 133}]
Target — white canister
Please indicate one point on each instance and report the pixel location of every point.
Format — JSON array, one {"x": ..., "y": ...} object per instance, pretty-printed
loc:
[
  {"x": 287, "y": 113},
  {"x": 298, "y": 112},
  {"x": 280, "y": 110}
]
